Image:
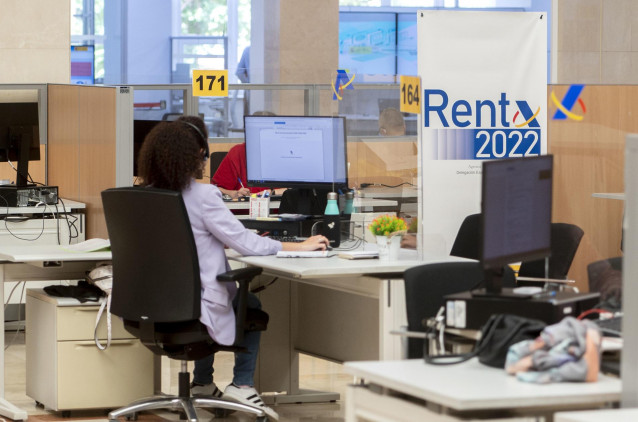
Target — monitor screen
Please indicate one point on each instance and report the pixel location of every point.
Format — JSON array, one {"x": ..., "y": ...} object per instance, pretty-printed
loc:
[
  {"x": 516, "y": 210},
  {"x": 367, "y": 42},
  {"x": 19, "y": 136},
  {"x": 141, "y": 128},
  {"x": 83, "y": 64},
  {"x": 406, "y": 44},
  {"x": 296, "y": 151}
]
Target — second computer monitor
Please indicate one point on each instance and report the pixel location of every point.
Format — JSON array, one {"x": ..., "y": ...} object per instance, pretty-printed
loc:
[
  {"x": 296, "y": 151},
  {"x": 517, "y": 213}
]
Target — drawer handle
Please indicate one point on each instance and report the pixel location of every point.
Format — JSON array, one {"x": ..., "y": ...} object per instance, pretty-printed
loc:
[
  {"x": 131, "y": 342},
  {"x": 88, "y": 308}
]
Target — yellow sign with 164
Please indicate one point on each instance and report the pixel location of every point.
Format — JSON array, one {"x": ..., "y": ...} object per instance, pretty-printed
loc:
[
  {"x": 210, "y": 83},
  {"x": 410, "y": 98}
]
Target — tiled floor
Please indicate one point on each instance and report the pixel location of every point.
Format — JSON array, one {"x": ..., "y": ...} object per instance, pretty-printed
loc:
[{"x": 315, "y": 374}]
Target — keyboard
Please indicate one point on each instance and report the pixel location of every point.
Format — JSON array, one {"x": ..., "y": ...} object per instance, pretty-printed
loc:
[
  {"x": 293, "y": 239},
  {"x": 611, "y": 327}
]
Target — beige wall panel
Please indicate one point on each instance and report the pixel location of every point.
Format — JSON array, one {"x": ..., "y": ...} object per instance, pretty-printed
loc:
[
  {"x": 618, "y": 20},
  {"x": 34, "y": 41},
  {"x": 579, "y": 67},
  {"x": 35, "y": 24},
  {"x": 63, "y": 134},
  {"x": 18, "y": 95},
  {"x": 307, "y": 47},
  {"x": 35, "y": 65},
  {"x": 97, "y": 153},
  {"x": 589, "y": 159},
  {"x": 579, "y": 23}
]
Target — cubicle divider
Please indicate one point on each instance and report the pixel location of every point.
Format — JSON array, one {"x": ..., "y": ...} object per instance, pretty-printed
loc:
[
  {"x": 588, "y": 158},
  {"x": 88, "y": 149}
]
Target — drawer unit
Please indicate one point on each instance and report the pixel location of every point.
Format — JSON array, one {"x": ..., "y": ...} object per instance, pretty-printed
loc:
[{"x": 65, "y": 369}]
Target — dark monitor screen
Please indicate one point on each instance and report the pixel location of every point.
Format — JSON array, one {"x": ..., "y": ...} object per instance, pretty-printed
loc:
[
  {"x": 296, "y": 151},
  {"x": 141, "y": 128},
  {"x": 19, "y": 136},
  {"x": 516, "y": 210}
]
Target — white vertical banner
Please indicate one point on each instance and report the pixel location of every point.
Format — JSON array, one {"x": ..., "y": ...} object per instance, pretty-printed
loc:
[{"x": 483, "y": 96}]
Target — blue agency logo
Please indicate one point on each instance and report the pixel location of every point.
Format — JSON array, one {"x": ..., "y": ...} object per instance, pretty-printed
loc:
[{"x": 492, "y": 133}]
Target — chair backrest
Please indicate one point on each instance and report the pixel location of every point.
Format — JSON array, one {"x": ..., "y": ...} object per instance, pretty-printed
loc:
[
  {"x": 565, "y": 240},
  {"x": 426, "y": 285},
  {"x": 467, "y": 243},
  {"x": 216, "y": 159},
  {"x": 605, "y": 277},
  {"x": 155, "y": 263}
]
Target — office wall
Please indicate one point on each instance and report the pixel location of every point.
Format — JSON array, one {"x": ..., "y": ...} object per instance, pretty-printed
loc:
[
  {"x": 34, "y": 41},
  {"x": 82, "y": 132},
  {"x": 597, "y": 41},
  {"x": 589, "y": 158}
]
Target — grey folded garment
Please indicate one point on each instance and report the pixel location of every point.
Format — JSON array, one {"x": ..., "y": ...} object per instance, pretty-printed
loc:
[{"x": 560, "y": 353}]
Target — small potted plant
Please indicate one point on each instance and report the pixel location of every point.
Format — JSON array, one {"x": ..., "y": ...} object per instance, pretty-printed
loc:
[{"x": 388, "y": 230}]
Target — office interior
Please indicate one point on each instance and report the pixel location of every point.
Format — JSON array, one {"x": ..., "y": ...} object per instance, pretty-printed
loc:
[{"x": 85, "y": 130}]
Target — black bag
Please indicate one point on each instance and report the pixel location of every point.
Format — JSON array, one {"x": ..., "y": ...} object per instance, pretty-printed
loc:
[{"x": 497, "y": 335}]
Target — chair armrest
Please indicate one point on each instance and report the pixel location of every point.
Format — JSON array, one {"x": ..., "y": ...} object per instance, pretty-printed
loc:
[
  {"x": 243, "y": 276},
  {"x": 240, "y": 274}
]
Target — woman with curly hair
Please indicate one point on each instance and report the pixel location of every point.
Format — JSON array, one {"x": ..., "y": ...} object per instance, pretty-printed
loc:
[{"x": 172, "y": 157}]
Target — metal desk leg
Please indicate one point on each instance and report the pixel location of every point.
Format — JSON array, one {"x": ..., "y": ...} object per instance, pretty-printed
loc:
[{"x": 6, "y": 409}]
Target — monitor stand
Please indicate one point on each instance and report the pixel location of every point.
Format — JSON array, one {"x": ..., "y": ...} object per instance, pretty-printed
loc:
[
  {"x": 304, "y": 201},
  {"x": 493, "y": 279}
]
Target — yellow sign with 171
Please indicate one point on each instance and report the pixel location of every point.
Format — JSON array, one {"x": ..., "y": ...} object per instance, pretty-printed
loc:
[
  {"x": 410, "y": 98},
  {"x": 210, "y": 83}
]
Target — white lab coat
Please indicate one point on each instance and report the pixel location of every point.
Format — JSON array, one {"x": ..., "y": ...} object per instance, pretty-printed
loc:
[{"x": 213, "y": 227}]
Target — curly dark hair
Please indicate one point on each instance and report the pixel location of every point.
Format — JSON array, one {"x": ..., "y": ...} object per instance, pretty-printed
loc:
[{"x": 170, "y": 156}]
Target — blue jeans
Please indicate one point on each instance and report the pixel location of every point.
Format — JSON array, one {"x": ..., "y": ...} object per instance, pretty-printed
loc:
[{"x": 245, "y": 362}]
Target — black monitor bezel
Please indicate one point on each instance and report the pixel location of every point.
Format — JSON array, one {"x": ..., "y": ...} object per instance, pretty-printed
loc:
[
  {"x": 300, "y": 184},
  {"x": 16, "y": 121},
  {"x": 495, "y": 263}
]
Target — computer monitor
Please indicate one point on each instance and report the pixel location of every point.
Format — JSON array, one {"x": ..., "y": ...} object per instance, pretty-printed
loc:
[
  {"x": 83, "y": 64},
  {"x": 19, "y": 137},
  {"x": 141, "y": 128},
  {"x": 516, "y": 214},
  {"x": 296, "y": 151}
]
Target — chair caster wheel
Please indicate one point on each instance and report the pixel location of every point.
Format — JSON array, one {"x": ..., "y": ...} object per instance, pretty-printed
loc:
[
  {"x": 66, "y": 413},
  {"x": 131, "y": 417}
]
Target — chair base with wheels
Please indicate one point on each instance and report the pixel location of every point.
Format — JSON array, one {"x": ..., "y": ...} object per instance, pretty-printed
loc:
[{"x": 185, "y": 402}]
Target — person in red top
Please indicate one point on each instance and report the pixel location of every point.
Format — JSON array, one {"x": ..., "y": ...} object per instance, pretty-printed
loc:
[{"x": 230, "y": 177}]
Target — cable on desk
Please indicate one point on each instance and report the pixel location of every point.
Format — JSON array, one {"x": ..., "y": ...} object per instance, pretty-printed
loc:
[
  {"x": 365, "y": 185},
  {"x": 264, "y": 286},
  {"x": 70, "y": 224},
  {"x": 15, "y": 335},
  {"x": 19, "y": 314},
  {"x": 6, "y": 226}
]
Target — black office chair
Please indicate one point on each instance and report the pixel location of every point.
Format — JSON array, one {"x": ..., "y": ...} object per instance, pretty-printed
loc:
[
  {"x": 564, "y": 244},
  {"x": 156, "y": 290},
  {"x": 605, "y": 277},
  {"x": 426, "y": 285},
  {"x": 216, "y": 159},
  {"x": 467, "y": 243}
]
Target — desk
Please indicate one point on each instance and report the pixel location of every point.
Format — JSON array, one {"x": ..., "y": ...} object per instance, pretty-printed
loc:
[
  {"x": 463, "y": 389},
  {"x": 333, "y": 308},
  {"x": 34, "y": 263}
]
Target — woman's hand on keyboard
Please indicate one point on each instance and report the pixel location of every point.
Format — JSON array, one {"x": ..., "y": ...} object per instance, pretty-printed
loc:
[{"x": 314, "y": 243}]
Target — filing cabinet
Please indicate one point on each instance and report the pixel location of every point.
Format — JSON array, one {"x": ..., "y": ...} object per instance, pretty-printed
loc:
[{"x": 64, "y": 368}]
